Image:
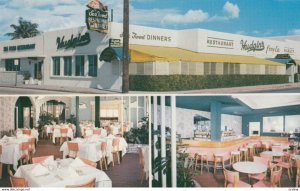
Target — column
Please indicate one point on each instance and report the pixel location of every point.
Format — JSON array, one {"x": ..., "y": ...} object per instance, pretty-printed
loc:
[
  {"x": 97, "y": 111},
  {"x": 163, "y": 135},
  {"x": 155, "y": 127},
  {"x": 215, "y": 121},
  {"x": 62, "y": 66},
  {"x": 78, "y": 133},
  {"x": 173, "y": 142}
]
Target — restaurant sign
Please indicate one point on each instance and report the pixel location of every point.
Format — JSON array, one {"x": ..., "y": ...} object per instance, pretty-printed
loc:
[
  {"x": 96, "y": 16},
  {"x": 253, "y": 46},
  {"x": 219, "y": 43},
  {"x": 80, "y": 40},
  {"x": 18, "y": 48}
]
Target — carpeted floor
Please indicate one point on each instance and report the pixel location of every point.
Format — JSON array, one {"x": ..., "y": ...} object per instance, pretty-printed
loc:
[{"x": 124, "y": 175}]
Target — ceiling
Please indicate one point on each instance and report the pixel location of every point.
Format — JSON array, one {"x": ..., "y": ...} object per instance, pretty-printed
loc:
[{"x": 242, "y": 104}]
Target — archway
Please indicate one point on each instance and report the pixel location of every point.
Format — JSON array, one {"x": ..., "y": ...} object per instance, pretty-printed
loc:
[
  {"x": 23, "y": 113},
  {"x": 57, "y": 109}
]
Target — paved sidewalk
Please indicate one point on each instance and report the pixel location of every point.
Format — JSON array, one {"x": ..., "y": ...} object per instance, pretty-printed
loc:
[
  {"x": 245, "y": 89},
  {"x": 73, "y": 90}
]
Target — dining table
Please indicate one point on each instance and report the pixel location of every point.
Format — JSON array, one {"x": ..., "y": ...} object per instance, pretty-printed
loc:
[
  {"x": 11, "y": 153},
  {"x": 56, "y": 132},
  {"x": 249, "y": 167},
  {"x": 34, "y": 133},
  {"x": 90, "y": 148},
  {"x": 62, "y": 172}
]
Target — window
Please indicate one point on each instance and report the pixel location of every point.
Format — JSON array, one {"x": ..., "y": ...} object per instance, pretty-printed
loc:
[
  {"x": 292, "y": 123},
  {"x": 56, "y": 66},
  {"x": 273, "y": 124},
  {"x": 79, "y": 66},
  {"x": 93, "y": 65},
  {"x": 68, "y": 66},
  {"x": 10, "y": 65}
]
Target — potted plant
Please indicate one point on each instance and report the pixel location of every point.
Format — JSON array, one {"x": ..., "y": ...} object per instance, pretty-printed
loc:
[
  {"x": 26, "y": 77},
  {"x": 39, "y": 78}
]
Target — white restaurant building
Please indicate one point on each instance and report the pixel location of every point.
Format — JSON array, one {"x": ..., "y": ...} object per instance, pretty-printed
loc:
[{"x": 80, "y": 58}]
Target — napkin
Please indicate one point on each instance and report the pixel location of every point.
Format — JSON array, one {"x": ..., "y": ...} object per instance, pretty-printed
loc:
[
  {"x": 48, "y": 161},
  {"x": 39, "y": 170},
  {"x": 77, "y": 163}
]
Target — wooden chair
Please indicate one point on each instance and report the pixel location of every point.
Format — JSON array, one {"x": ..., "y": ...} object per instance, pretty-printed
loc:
[
  {"x": 89, "y": 184},
  {"x": 24, "y": 148},
  {"x": 274, "y": 180},
  {"x": 63, "y": 135},
  {"x": 218, "y": 158},
  {"x": 97, "y": 132},
  {"x": 232, "y": 179},
  {"x": 88, "y": 162},
  {"x": 201, "y": 157},
  {"x": 31, "y": 148},
  {"x": 17, "y": 181},
  {"x": 235, "y": 156},
  {"x": 287, "y": 164},
  {"x": 298, "y": 172},
  {"x": 1, "y": 165},
  {"x": 36, "y": 160},
  {"x": 26, "y": 132},
  {"x": 260, "y": 176},
  {"x": 142, "y": 164},
  {"x": 103, "y": 156},
  {"x": 73, "y": 150},
  {"x": 115, "y": 150}
]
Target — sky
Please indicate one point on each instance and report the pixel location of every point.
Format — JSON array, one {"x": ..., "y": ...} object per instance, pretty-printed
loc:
[{"x": 260, "y": 18}]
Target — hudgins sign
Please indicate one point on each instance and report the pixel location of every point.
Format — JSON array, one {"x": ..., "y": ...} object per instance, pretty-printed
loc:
[
  {"x": 253, "y": 46},
  {"x": 73, "y": 42}
]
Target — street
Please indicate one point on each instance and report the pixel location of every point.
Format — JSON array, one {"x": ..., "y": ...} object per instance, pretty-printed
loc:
[{"x": 23, "y": 91}]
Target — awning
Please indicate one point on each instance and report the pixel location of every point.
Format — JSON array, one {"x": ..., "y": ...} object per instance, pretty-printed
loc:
[
  {"x": 142, "y": 53},
  {"x": 283, "y": 61},
  {"x": 110, "y": 54}
]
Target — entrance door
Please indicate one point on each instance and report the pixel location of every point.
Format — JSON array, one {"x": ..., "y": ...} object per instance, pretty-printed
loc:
[
  {"x": 23, "y": 116},
  {"x": 37, "y": 69},
  {"x": 290, "y": 71}
]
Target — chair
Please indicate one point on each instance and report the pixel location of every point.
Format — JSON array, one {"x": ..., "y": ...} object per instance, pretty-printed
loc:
[
  {"x": 261, "y": 160},
  {"x": 201, "y": 157},
  {"x": 298, "y": 172},
  {"x": 26, "y": 132},
  {"x": 63, "y": 135},
  {"x": 36, "y": 160},
  {"x": 244, "y": 153},
  {"x": 115, "y": 150},
  {"x": 89, "y": 184},
  {"x": 103, "y": 155},
  {"x": 235, "y": 156},
  {"x": 1, "y": 165},
  {"x": 277, "y": 149},
  {"x": 218, "y": 158},
  {"x": 287, "y": 164},
  {"x": 96, "y": 131},
  {"x": 265, "y": 146},
  {"x": 88, "y": 162},
  {"x": 274, "y": 180},
  {"x": 17, "y": 181},
  {"x": 24, "y": 148},
  {"x": 73, "y": 150},
  {"x": 142, "y": 164},
  {"x": 232, "y": 179},
  {"x": 31, "y": 148}
]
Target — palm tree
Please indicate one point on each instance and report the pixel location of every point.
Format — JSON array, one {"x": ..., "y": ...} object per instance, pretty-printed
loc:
[{"x": 25, "y": 29}]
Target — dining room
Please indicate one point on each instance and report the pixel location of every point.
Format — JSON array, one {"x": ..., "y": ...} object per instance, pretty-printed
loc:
[
  {"x": 74, "y": 141},
  {"x": 233, "y": 140}
]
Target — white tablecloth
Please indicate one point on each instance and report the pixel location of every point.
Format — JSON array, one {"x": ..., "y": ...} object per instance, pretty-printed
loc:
[
  {"x": 145, "y": 150},
  {"x": 89, "y": 148},
  {"x": 65, "y": 175},
  {"x": 34, "y": 133},
  {"x": 56, "y": 133},
  {"x": 11, "y": 150}
]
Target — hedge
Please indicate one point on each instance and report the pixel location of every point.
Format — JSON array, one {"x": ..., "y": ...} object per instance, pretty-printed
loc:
[{"x": 194, "y": 82}]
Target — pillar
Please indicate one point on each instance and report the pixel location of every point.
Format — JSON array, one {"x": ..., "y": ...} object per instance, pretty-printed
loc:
[
  {"x": 78, "y": 133},
  {"x": 215, "y": 121},
  {"x": 163, "y": 135},
  {"x": 97, "y": 111},
  {"x": 173, "y": 142}
]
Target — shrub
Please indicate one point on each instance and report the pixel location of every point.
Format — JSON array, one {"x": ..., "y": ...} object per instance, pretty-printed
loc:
[{"x": 194, "y": 82}]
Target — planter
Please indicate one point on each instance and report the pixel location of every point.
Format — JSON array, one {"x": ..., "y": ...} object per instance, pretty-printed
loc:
[
  {"x": 26, "y": 81},
  {"x": 39, "y": 82}
]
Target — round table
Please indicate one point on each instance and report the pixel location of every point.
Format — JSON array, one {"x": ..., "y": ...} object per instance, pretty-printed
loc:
[
  {"x": 273, "y": 154},
  {"x": 250, "y": 167}
]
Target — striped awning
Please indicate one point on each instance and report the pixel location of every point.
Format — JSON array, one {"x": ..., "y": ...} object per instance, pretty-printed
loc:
[{"x": 143, "y": 53}]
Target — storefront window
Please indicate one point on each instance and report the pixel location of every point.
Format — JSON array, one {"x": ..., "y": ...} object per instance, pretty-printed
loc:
[
  {"x": 10, "y": 65},
  {"x": 68, "y": 66},
  {"x": 79, "y": 66},
  {"x": 56, "y": 66},
  {"x": 93, "y": 65}
]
